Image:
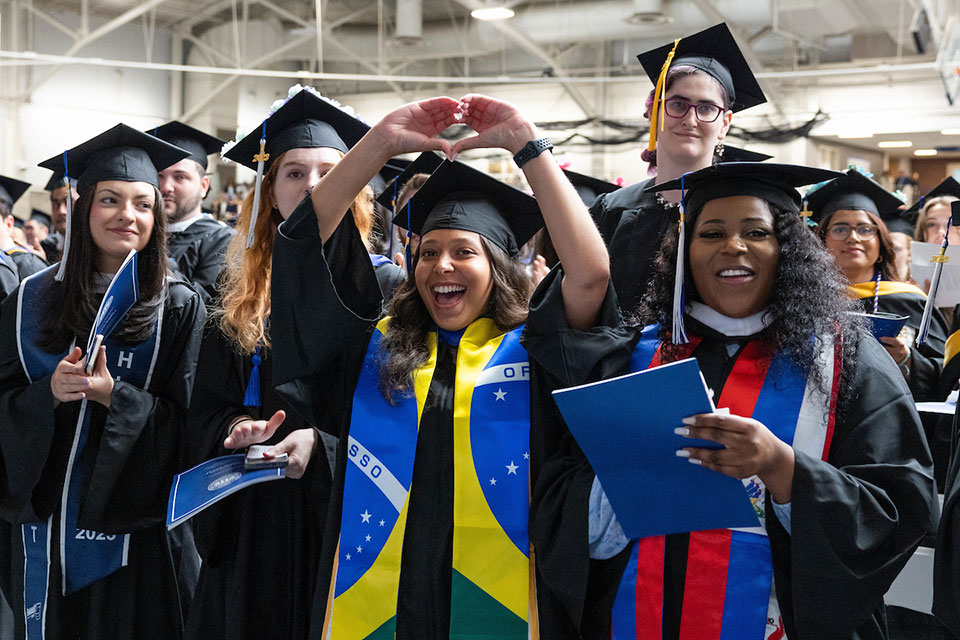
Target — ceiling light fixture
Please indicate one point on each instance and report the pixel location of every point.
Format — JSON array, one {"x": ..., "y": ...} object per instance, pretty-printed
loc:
[
  {"x": 854, "y": 135},
  {"x": 950, "y": 132},
  {"x": 925, "y": 152},
  {"x": 894, "y": 144},
  {"x": 492, "y": 12}
]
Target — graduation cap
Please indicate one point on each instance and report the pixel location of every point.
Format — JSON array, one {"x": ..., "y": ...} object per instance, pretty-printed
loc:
[
  {"x": 948, "y": 187},
  {"x": 940, "y": 259},
  {"x": 194, "y": 141},
  {"x": 41, "y": 216},
  {"x": 56, "y": 181},
  {"x": 120, "y": 153},
  {"x": 736, "y": 154},
  {"x": 427, "y": 162},
  {"x": 11, "y": 189},
  {"x": 851, "y": 191},
  {"x": 900, "y": 221},
  {"x": 588, "y": 187},
  {"x": 775, "y": 183},
  {"x": 459, "y": 197},
  {"x": 713, "y": 51},
  {"x": 305, "y": 121}
]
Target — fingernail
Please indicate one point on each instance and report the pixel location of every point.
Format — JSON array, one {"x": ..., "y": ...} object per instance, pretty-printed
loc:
[
  {"x": 682, "y": 453},
  {"x": 682, "y": 431},
  {"x": 695, "y": 461},
  {"x": 689, "y": 420}
]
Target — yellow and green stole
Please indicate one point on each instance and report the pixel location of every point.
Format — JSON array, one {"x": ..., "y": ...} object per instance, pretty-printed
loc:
[{"x": 491, "y": 587}]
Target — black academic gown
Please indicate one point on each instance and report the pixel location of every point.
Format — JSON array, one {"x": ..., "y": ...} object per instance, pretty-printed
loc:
[
  {"x": 927, "y": 359},
  {"x": 633, "y": 226},
  {"x": 198, "y": 252},
  {"x": 9, "y": 276},
  {"x": 260, "y": 546},
  {"x": 28, "y": 263},
  {"x": 856, "y": 518},
  {"x": 324, "y": 306},
  {"x": 52, "y": 246},
  {"x": 946, "y": 568},
  {"x": 135, "y": 448}
]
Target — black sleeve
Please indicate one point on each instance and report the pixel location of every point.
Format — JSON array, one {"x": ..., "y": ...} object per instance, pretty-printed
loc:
[
  {"x": 946, "y": 562},
  {"x": 927, "y": 362},
  {"x": 325, "y": 300},
  {"x": 28, "y": 432},
  {"x": 571, "y": 585},
  {"x": 143, "y": 438},
  {"x": 857, "y": 517},
  {"x": 210, "y": 260}
]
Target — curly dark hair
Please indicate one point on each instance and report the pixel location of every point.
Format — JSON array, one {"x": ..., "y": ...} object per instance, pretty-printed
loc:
[
  {"x": 809, "y": 297},
  {"x": 63, "y": 322},
  {"x": 405, "y": 344},
  {"x": 888, "y": 255}
]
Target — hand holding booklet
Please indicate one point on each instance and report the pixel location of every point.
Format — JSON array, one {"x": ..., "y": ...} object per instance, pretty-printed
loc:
[
  {"x": 122, "y": 293},
  {"x": 625, "y": 427}
]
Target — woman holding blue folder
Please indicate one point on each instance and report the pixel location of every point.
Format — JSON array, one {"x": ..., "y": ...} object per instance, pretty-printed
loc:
[
  {"x": 87, "y": 457},
  {"x": 821, "y": 429}
]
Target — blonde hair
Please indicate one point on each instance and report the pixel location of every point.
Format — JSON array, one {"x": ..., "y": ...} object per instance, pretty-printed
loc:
[
  {"x": 245, "y": 285},
  {"x": 920, "y": 230}
]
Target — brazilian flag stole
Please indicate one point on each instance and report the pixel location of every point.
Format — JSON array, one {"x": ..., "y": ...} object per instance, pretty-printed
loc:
[
  {"x": 491, "y": 592},
  {"x": 85, "y": 556},
  {"x": 728, "y": 590}
]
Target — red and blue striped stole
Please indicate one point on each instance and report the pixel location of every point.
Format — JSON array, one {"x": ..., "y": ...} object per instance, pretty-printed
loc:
[{"x": 727, "y": 585}]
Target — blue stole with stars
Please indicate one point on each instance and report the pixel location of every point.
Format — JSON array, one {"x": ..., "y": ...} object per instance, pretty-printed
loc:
[
  {"x": 85, "y": 556},
  {"x": 490, "y": 589}
]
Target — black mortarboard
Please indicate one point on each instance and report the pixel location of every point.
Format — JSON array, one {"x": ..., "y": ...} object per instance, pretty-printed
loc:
[
  {"x": 775, "y": 183},
  {"x": 120, "y": 153},
  {"x": 427, "y": 162},
  {"x": 40, "y": 216},
  {"x": 11, "y": 189},
  {"x": 715, "y": 52},
  {"x": 459, "y": 197},
  {"x": 387, "y": 173},
  {"x": 852, "y": 191},
  {"x": 900, "y": 221},
  {"x": 305, "y": 121},
  {"x": 194, "y": 141},
  {"x": 17, "y": 222},
  {"x": 56, "y": 181},
  {"x": 948, "y": 187},
  {"x": 588, "y": 187},
  {"x": 736, "y": 154}
]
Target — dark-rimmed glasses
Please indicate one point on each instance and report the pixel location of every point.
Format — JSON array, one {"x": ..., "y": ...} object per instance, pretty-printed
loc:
[
  {"x": 842, "y": 231},
  {"x": 678, "y": 108}
]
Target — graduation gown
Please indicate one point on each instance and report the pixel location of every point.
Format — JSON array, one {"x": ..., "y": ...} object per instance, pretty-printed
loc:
[
  {"x": 324, "y": 307},
  {"x": 198, "y": 252},
  {"x": 134, "y": 449},
  {"x": 260, "y": 546},
  {"x": 52, "y": 245},
  {"x": 28, "y": 263},
  {"x": 856, "y": 518},
  {"x": 9, "y": 276},
  {"x": 946, "y": 567},
  {"x": 633, "y": 226},
  {"x": 908, "y": 300}
]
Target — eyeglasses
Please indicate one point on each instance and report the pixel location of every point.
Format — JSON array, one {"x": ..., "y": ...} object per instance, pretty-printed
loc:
[
  {"x": 678, "y": 108},
  {"x": 842, "y": 231}
]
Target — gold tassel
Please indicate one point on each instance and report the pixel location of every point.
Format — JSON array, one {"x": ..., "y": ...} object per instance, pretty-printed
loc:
[{"x": 658, "y": 94}]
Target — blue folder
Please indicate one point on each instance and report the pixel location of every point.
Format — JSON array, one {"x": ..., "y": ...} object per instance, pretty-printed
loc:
[
  {"x": 625, "y": 427},
  {"x": 884, "y": 325}
]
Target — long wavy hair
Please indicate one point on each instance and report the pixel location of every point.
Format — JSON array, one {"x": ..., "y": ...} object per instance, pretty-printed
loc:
[
  {"x": 674, "y": 74},
  {"x": 405, "y": 345},
  {"x": 808, "y": 301},
  {"x": 887, "y": 258},
  {"x": 244, "y": 286},
  {"x": 65, "y": 321}
]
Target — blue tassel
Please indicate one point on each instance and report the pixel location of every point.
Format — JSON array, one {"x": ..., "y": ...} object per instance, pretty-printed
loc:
[{"x": 251, "y": 397}]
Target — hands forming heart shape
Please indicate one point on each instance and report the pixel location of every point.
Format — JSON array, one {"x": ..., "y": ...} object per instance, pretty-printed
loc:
[{"x": 416, "y": 126}]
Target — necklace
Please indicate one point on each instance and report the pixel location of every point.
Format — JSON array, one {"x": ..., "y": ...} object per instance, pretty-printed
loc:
[{"x": 666, "y": 204}]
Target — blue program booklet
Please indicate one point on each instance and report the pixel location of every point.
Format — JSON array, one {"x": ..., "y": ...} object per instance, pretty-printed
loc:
[
  {"x": 625, "y": 427},
  {"x": 884, "y": 325},
  {"x": 120, "y": 296},
  {"x": 209, "y": 482}
]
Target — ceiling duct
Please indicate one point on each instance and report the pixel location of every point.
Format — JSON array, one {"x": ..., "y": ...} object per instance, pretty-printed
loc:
[
  {"x": 409, "y": 23},
  {"x": 647, "y": 13}
]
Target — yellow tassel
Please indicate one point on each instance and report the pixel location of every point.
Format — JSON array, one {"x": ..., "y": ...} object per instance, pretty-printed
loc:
[{"x": 658, "y": 94}]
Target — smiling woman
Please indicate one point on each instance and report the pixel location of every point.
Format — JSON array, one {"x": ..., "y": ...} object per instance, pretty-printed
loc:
[{"x": 88, "y": 516}]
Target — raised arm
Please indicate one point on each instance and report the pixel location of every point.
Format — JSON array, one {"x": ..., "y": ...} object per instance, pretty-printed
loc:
[
  {"x": 412, "y": 127},
  {"x": 574, "y": 235}
]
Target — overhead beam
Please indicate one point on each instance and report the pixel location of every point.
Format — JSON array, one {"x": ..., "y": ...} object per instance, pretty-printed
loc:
[
  {"x": 53, "y": 22},
  {"x": 96, "y": 34},
  {"x": 522, "y": 41}
]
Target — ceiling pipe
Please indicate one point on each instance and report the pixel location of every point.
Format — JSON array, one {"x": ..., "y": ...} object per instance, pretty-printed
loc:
[{"x": 409, "y": 23}]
